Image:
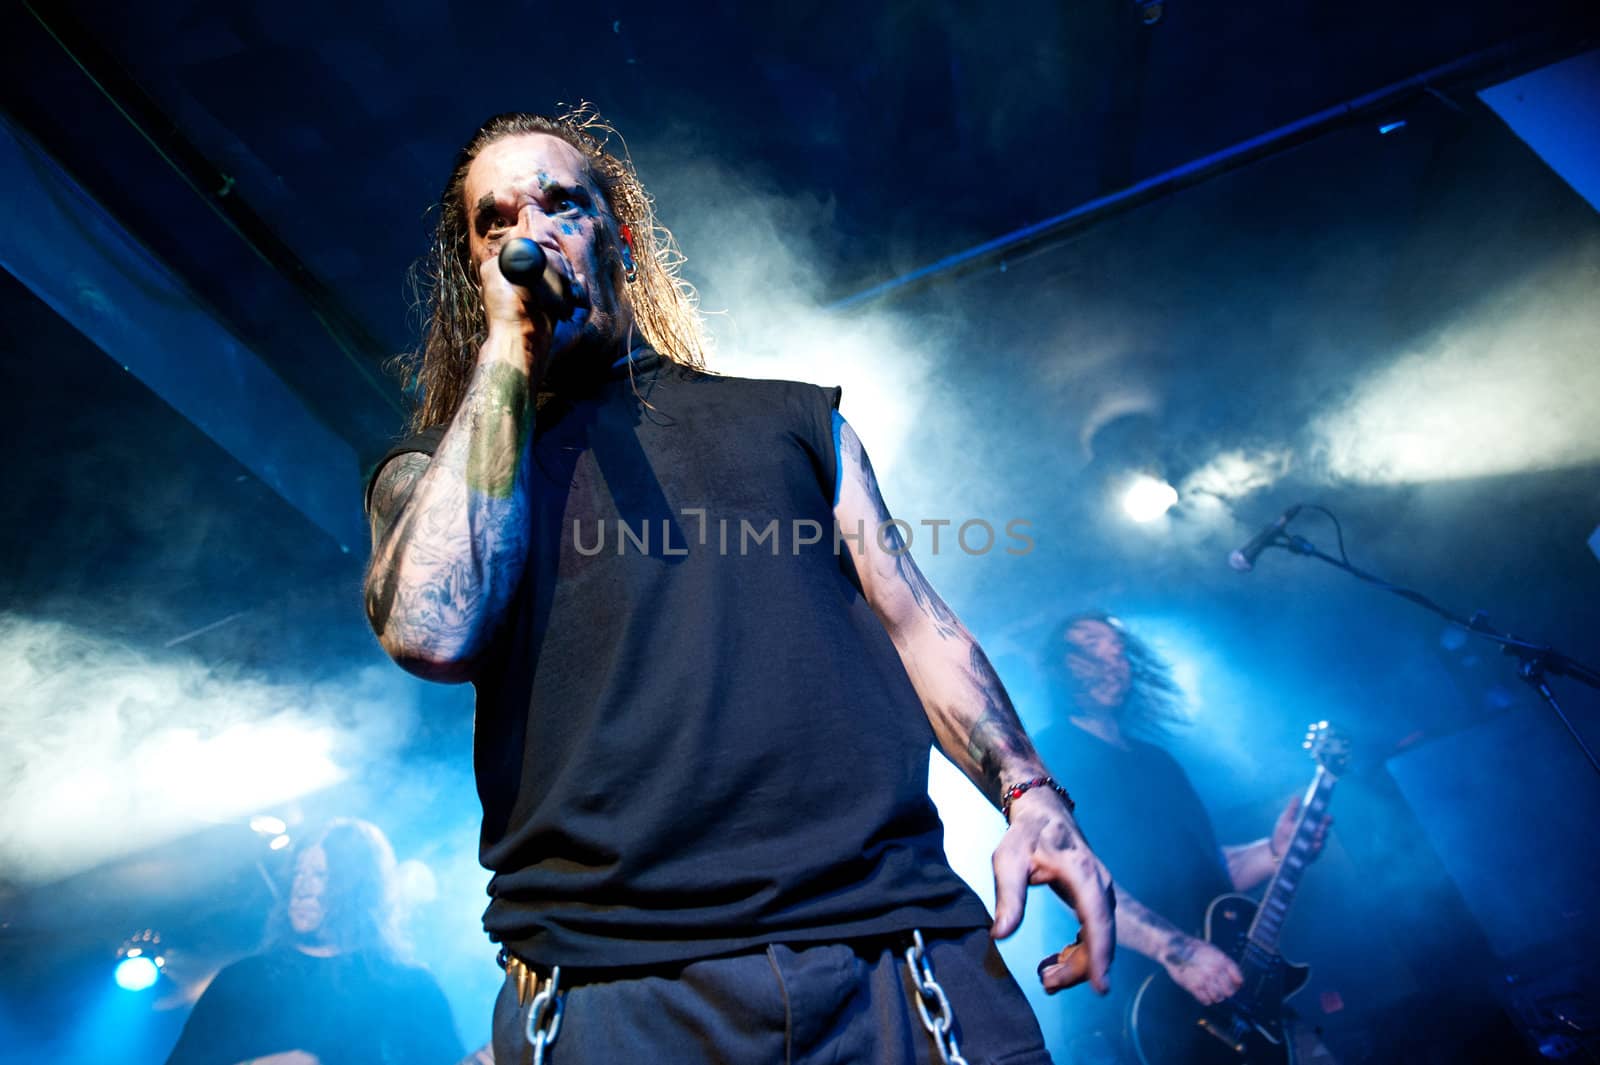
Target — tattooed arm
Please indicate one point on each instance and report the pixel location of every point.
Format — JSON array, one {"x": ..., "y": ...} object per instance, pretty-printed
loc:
[
  {"x": 974, "y": 721},
  {"x": 450, "y": 533},
  {"x": 1194, "y": 965},
  {"x": 972, "y": 715}
]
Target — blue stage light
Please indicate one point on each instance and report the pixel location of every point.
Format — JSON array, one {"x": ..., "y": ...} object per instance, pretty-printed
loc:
[
  {"x": 1390, "y": 127},
  {"x": 137, "y": 973},
  {"x": 140, "y": 960}
]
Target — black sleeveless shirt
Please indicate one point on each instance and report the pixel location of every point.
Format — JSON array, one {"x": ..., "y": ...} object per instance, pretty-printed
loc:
[{"x": 693, "y": 735}]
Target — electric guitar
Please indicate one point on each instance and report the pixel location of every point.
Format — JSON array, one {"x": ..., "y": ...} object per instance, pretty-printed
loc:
[{"x": 1169, "y": 1027}]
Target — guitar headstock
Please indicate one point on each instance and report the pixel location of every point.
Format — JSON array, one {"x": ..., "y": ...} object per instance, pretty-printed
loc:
[{"x": 1329, "y": 747}]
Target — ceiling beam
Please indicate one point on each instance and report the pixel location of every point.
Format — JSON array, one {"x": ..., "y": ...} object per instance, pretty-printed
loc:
[{"x": 58, "y": 241}]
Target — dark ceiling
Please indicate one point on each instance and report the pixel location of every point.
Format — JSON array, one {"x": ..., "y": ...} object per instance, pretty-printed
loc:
[
  {"x": 280, "y": 159},
  {"x": 923, "y": 128}
]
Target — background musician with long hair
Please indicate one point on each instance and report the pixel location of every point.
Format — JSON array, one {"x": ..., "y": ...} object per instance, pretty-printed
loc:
[
  {"x": 332, "y": 986},
  {"x": 1113, "y": 696}
]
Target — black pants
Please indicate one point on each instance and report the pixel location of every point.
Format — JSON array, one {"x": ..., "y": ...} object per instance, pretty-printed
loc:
[{"x": 834, "y": 1003}]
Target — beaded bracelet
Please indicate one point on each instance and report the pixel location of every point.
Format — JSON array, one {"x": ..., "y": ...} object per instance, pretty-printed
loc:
[{"x": 1016, "y": 791}]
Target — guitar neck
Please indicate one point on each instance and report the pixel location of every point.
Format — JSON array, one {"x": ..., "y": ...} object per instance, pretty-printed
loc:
[{"x": 1275, "y": 902}]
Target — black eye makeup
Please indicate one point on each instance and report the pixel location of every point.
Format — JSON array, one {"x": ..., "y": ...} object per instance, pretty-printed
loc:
[{"x": 554, "y": 199}]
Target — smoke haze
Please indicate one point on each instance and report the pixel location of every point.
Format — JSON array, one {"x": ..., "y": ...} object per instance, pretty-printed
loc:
[{"x": 105, "y": 750}]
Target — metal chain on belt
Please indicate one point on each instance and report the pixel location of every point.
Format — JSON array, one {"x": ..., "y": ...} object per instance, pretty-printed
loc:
[
  {"x": 544, "y": 1016},
  {"x": 932, "y": 1003}
]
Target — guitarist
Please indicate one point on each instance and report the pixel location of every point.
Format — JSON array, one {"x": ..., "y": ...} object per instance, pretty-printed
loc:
[{"x": 1113, "y": 695}]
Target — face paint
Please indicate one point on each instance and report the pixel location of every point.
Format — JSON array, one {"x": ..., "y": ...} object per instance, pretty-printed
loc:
[{"x": 540, "y": 187}]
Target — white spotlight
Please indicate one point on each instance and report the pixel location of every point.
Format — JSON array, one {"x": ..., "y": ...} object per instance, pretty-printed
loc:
[
  {"x": 279, "y": 842},
  {"x": 267, "y": 825},
  {"x": 1148, "y": 498}
]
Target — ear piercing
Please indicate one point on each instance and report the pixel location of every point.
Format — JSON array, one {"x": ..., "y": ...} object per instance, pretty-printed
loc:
[{"x": 629, "y": 270}]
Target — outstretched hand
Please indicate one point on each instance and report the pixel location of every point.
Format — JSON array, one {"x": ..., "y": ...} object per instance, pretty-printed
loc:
[
  {"x": 1283, "y": 831},
  {"x": 1044, "y": 846}
]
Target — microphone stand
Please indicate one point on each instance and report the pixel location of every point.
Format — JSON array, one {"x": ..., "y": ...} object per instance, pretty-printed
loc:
[{"x": 1535, "y": 661}]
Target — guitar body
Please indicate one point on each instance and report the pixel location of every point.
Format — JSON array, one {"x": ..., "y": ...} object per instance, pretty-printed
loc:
[{"x": 1170, "y": 1028}]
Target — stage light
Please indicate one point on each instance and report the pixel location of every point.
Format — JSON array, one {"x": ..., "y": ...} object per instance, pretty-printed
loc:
[
  {"x": 136, "y": 974},
  {"x": 139, "y": 961},
  {"x": 267, "y": 825},
  {"x": 1147, "y": 498},
  {"x": 1505, "y": 386},
  {"x": 279, "y": 842},
  {"x": 1390, "y": 127}
]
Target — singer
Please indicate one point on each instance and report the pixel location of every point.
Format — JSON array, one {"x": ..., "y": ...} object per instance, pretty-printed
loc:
[{"x": 703, "y": 775}]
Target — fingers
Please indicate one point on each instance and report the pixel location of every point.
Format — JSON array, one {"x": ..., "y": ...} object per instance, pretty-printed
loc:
[
  {"x": 1066, "y": 969},
  {"x": 503, "y": 301},
  {"x": 1229, "y": 981},
  {"x": 542, "y": 299},
  {"x": 1225, "y": 980},
  {"x": 1011, "y": 869},
  {"x": 1321, "y": 836},
  {"x": 1075, "y": 875},
  {"x": 1095, "y": 904},
  {"x": 1083, "y": 884},
  {"x": 1086, "y": 888},
  {"x": 1216, "y": 983}
]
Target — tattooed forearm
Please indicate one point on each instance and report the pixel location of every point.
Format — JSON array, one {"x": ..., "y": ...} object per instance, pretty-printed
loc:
[
  {"x": 1180, "y": 949},
  {"x": 450, "y": 534},
  {"x": 972, "y": 716},
  {"x": 996, "y": 741},
  {"x": 500, "y": 411},
  {"x": 426, "y": 589},
  {"x": 1146, "y": 931}
]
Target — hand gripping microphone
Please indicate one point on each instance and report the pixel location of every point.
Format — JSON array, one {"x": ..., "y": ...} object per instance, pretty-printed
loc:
[
  {"x": 525, "y": 264},
  {"x": 1244, "y": 559}
]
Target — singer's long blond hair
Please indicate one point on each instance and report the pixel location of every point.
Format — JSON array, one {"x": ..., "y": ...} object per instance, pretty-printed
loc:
[{"x": 665, "y": 307}]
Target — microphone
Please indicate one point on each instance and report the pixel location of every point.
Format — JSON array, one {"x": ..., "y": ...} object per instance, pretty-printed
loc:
[
  {"x": 525, "y": 264},
  {"x": 1244, "y": 559}
]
